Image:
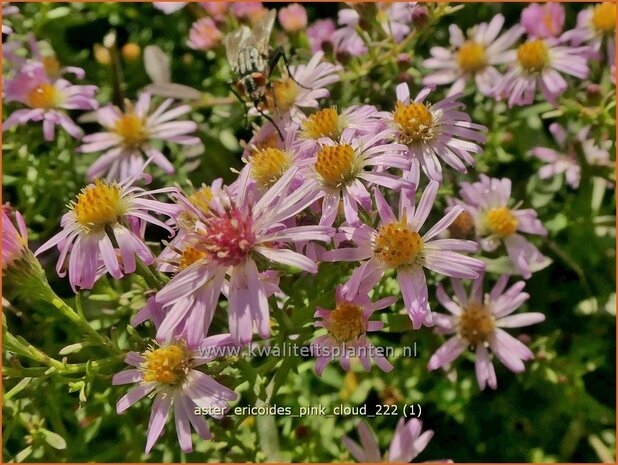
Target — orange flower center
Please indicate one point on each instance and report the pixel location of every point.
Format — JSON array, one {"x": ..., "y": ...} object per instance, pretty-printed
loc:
[
  {"x": 99, "y": 205},
  {"x": 604, "y": 17},
  {"x": 189, "y": 256},
  {"x": 44, "y": 96},
  {"x": 324, "y": 123},
  {"x": 346, "y": 322},
  {"x": 201, "y": 199},
  {"x": 396, "y": 245},
  {"x": 476, "y": 324},
  {"x": 501, "y": 221},
  {"x": 415, "y": 122},
  {"x": 268, "y": 165},
  {"x": 131, "y": 129},
  {"x": 533, "y": 56},
  {"x": 335, "y": 164},
  {"x": 165, "y": 365}
]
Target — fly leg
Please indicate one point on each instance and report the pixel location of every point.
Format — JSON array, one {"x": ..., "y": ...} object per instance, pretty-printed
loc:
[
  {"x": 241, "y": 100},
  {"x": 278, "y": 54}
]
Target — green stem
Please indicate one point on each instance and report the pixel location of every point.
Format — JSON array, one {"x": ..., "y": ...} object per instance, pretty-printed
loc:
[
  {"x": 81, "y": 323},
  {"x": 60, "y": 368},
  {"x": 151, "y": 279}
]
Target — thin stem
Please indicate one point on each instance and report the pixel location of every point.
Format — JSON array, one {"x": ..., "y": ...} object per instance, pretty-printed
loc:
[{"x": 81, "y": 322}]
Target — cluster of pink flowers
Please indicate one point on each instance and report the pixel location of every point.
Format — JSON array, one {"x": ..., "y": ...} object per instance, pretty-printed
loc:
[
  {"x": 538, "y": 62},
  {"x": 365, "y": 179}
]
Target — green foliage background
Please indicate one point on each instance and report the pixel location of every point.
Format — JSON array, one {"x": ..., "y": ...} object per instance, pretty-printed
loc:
[{"x": 561, "y": 409}]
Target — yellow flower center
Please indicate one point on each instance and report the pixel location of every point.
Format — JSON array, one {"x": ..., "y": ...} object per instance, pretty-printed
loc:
[
  {"x": 201, "y": 199},
  {"x": 189, "y": 256},
  {"x": 396, "y": 245},
  {"x": 335, "y": 164},
  {"x": 533, "y": 56},
  {"x": 471, "y": 56},
  {"x": 44, "y": 96},
  {"x": 165, "y": 365},
  {"x": 501, "y": 221},
  {"x": 324, "y": 123},
  {"x": 415, "y": 122},
  {"x": 346, "y": 322},
  {"x": 476, "y": 323},
  {"x": 51, "y": 65},
  {"x": 131, "y": 129},
  {"x": 268, "y": 165},
  {"x": 99, "y": 205},
  {"x": 604, "y": 17},
  {"x": 285, "y": 92}
]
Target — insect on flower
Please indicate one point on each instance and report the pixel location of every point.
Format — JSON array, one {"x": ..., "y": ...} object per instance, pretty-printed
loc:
[{"x": 252, "y": 60}]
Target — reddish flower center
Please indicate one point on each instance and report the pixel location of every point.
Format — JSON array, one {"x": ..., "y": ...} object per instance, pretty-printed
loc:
[{"x": 229, "y": 239}]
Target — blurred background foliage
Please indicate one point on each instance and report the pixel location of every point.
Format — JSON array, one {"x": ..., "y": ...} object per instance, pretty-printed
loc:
[{"x": 561, "y": 409}]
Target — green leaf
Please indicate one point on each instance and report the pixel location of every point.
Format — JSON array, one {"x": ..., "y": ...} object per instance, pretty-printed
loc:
[{"x": 53, "y": 439}]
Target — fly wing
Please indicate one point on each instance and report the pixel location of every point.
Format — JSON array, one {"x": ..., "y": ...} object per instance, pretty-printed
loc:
[
  {"x": 262, "y": 31},
  {"x": 233, "y": 42}
]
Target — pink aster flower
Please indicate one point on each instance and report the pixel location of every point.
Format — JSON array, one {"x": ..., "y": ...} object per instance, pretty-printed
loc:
[
  {"x": 347, "y": 43},
  {"x": 293, "y": 18},
  {"x": 129, "y": 137},
  {"x": 168, "y": 372},
  {"x": 565, "y": 161},
  {"x": 216, "y": 9},
  {"x": 269, "y": 160},
  {"x": 394, "y": 17},
  {"x": 347, "y": 327},
  {"x": 14, "y": 240},
  {"x": 473, "y": 57},
  {"x": 496, "y": 222},
  {"x": 406, "y": 444},
  {"x": 249, "y": 10},
  {"x": 53, "y": 68},
  {"x": 46, "y": 100},
  {"x": 103, "y": 208},
  {"x": 235, "y": 233},
  {"x": 539, "y": 63},
  {"x": 319, "y": 34},
  {"x": 169, "y": 7},
  {"x": 433, "y": 132},
  {"x": 397, "y": 244},
  {"x": 331, "y": 122},
  {"x": 341, "y": 169},
  {"x": 476, "y": 321},
  {"x": 204, "y": 35},
  {"x": 291, "y": 96},
  {"x": 543, "y": 20},
  {"x": 596, "y": 25}
]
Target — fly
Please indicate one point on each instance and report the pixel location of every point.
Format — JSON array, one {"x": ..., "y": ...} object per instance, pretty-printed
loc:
[{"x": 252, "y": 61}]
